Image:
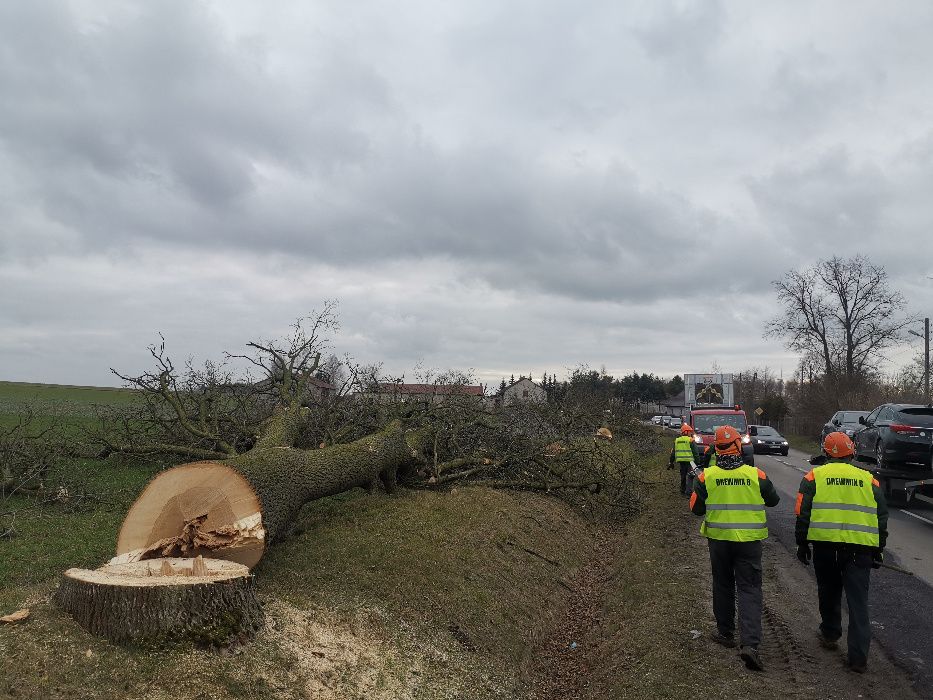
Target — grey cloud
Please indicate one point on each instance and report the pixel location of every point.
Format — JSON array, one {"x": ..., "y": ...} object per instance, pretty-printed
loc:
[
  {"x": 563, "y": 175},
  {"x": 825, "y": 202}
]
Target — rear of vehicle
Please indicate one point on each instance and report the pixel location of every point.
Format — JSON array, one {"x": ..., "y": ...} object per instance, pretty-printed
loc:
[
  {"x": 705, "y": 421},
  {"x": 900, "y": 440},
  {"x": 767, "y": 440},
  {"x": 908, "y": 439}
]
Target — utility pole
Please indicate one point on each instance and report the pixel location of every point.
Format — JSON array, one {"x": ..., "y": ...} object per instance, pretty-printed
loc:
[{"x": 926, "y": 358}]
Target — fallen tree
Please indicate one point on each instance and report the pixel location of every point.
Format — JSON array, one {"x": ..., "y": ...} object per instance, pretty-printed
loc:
[{"x": 255, "y": 470}]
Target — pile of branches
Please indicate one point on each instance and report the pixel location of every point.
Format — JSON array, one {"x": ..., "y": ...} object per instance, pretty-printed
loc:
[
  {"x": 31, "y": 449},
  {"x": 212, "y": 413}
]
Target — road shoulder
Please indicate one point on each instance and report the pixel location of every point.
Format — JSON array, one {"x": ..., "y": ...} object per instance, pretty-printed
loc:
[{"x": 651, "y": 641}]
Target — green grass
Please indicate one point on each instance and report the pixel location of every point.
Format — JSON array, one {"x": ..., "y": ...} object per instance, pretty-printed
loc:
[
  {"x": 71, "y": 408},
  {"x": 419, "y": 594},
  {"x": 74, "y": 400},
  {"x": 804, "y": 443},
  {"x": 79, "y": 531}
]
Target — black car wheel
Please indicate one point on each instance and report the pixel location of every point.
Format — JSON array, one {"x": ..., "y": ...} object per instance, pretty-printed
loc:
[{"x": 784, "y": 451}]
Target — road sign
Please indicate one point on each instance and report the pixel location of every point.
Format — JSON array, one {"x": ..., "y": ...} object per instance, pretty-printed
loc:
[{"x": 759, "y": 411}]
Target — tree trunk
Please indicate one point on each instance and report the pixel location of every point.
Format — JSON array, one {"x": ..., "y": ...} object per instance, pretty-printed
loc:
[
  {"x": 227, "y": 510},
  {"x": 161, "y": 602},
  {"x": 235, "y": 508}
]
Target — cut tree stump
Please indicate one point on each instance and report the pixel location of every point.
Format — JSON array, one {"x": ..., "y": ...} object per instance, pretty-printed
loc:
[
  {"x": 164, "y": 601},
  {"x": 159, "y": 589}
]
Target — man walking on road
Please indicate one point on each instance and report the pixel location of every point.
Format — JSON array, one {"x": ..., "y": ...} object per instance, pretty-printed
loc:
[
  {"x": 733, "y": 496},
  {"x": 686, "y": 453},
  {"x": 841, "y": 510}
]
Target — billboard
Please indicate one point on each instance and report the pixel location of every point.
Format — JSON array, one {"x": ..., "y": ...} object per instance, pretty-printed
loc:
[{"x": 708, "y": 390}]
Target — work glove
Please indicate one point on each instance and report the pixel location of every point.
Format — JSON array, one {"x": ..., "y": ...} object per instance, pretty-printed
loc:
[
  {"x": 877, "y": 559},
  {"x": 804, "y": 554}
]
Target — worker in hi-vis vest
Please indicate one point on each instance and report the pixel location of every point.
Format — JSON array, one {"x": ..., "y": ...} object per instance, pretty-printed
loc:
[
  {"x": 732, "y": 497},
  {"x": 841, "y": 510},
  {"x": 687, "y": 455}
]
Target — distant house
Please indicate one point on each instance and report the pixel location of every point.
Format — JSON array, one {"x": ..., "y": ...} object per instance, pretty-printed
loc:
[
  {"x": 428, "y": 393},
  {"x": 675, "y": 406},
  {"x": 319, "y": 390},
  {"x": 523, "y": 390}
]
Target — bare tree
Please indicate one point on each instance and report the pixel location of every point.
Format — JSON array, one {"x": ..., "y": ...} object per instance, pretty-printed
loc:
[{"x": 841, "y": 315}]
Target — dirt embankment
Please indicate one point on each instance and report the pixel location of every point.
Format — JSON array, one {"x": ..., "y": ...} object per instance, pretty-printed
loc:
[
  {"x": 471, "y": 594},
  {"x": 418, "y": 595}
]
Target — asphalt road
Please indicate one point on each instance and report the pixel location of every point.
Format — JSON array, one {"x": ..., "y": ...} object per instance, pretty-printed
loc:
[{"x": 901, "y": 604}]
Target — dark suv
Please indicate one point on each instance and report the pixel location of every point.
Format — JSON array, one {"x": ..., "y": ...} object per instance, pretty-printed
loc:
[
  {"x": 898, "y": 438},
  {"x": 844, "y": 422}
]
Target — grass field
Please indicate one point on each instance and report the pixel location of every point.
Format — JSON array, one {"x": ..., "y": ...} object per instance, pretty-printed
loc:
[
  {"x": 70, "y": 401},
  {"x": 82, "y": 530},
  {"x": 804, "y": 443},
  {"x": 415, "y": 595}
]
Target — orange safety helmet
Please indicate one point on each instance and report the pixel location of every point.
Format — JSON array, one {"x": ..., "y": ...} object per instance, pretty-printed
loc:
[
  {"x": 686, "y": 429},
  {"x": 838, "y": 445},
  {"x": 728, "y": 440}
]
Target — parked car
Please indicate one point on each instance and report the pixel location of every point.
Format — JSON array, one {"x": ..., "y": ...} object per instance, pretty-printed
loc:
[
  {"x": 656, "y": 420},
  {"x": 767, "y": 440},
  {"x": 898, "y": 438},
  {"x": 667, "y": 421},
  {"x": 843, "y": 421}
]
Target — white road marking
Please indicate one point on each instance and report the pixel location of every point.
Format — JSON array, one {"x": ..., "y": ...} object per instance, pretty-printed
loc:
[
  {"x": 923, "y": 498},
  {"x": 914, "y": 515},
  {"x": 793, "y": 466}
]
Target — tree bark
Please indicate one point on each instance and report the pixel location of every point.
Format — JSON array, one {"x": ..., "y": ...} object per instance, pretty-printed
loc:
[
  {"x": 164, "y": 602},
  {"x": 234, "y": 509}
]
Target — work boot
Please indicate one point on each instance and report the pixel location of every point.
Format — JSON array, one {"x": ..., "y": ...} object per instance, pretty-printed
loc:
[
  {"x": 826, "y": 642},
  {"x": 752, "y": 660},
  {"x": 857, "y": 666},
  {"x": 727, "y": 640}
]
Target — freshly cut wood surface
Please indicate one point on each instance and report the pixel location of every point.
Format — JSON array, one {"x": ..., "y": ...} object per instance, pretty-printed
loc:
[
  {"x": 161, "y": 572},
  {"x": 18, "y": 616},
  {"x": 204, "y": 508}
]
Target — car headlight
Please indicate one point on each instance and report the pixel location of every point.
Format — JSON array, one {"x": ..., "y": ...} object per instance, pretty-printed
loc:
[
  {"x": 850, "y": 433},
  {"x": 784, "y": 443},
  {"x": 758, "y": 441},
  {"x": 746, "y": 440},
  {"x": 698, "y": 439}
]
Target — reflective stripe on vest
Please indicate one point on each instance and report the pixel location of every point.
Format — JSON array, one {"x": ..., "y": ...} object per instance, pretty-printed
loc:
[
  {"x": 735, "y": 509},
  {"x": 844, "y": 507},
  {"x": 683, "y": 452}
]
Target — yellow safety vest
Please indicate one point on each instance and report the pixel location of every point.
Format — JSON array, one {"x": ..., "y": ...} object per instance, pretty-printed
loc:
[
  {"x": 735, "y": 510},
  {"x": 683, "y": 452},
  {"x": 844, "y": 507}
]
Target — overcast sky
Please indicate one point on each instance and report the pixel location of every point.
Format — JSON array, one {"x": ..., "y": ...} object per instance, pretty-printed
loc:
[{"x": 503, "y": 186}]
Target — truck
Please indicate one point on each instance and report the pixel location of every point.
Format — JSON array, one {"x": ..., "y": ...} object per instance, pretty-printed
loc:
[{"x": 710, "y": 402}]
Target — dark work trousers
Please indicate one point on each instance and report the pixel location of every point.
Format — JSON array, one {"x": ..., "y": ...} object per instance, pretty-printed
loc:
[
  {"x": 737, "y": 567},
  {"x": 846, "y": 568},
  {"x": 684, "y": 468}
]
